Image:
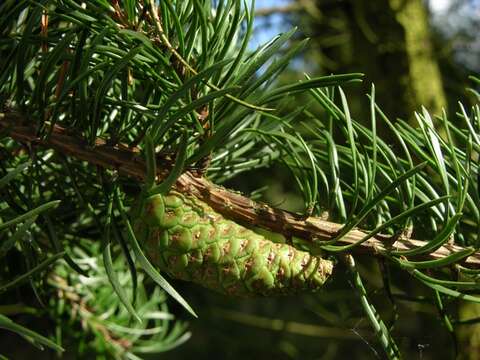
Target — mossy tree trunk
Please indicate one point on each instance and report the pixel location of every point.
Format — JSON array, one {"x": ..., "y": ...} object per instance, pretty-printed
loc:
[
  {"x": 388, "y": 40},
  {"x": 424, "y": 74},
  {"x": 469, "y": 335}
]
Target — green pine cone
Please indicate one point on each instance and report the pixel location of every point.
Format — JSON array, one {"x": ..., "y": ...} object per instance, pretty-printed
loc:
[{"x": 188, "y": 240}]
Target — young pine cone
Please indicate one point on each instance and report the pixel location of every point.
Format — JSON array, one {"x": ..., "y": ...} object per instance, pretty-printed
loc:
[{"x": 188, "y": 240}]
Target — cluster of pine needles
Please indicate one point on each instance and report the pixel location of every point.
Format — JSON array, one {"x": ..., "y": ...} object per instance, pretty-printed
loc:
[{"x": 177, "y": 80}]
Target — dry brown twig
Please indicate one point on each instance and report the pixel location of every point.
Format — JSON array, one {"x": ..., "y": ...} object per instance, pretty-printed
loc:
[
  {"x": 285, "y": 9},
  {"x": 230, "y": 204}
]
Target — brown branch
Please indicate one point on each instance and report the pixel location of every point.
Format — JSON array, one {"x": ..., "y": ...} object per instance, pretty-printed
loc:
[
  {"x": 286, "y": 9},
  {"x": 230, "y": 204},
  {"x": 307, "y": 6}
]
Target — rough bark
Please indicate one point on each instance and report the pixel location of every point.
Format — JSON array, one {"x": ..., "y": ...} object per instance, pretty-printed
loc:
[{"x": 230, "y": 204}]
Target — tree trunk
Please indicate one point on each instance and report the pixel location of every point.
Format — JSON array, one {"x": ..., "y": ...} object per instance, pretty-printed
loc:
[
  {"x": 388, "y": 40},
  {"x": 424, "y": 74}
]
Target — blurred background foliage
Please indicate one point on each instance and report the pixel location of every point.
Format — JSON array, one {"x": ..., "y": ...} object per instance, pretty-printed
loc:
[{"x": 416, "y": 53}]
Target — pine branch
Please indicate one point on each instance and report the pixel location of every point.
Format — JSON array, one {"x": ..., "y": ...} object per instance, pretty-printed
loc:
[
  {"x": 126, "y": 160},
  {"x": 94, "y": 80}
]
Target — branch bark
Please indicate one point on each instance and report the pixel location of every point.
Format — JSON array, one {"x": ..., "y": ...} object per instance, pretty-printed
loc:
[
  {"x": 232, "y": 205},
  {"x": 285, "y": 9}
]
